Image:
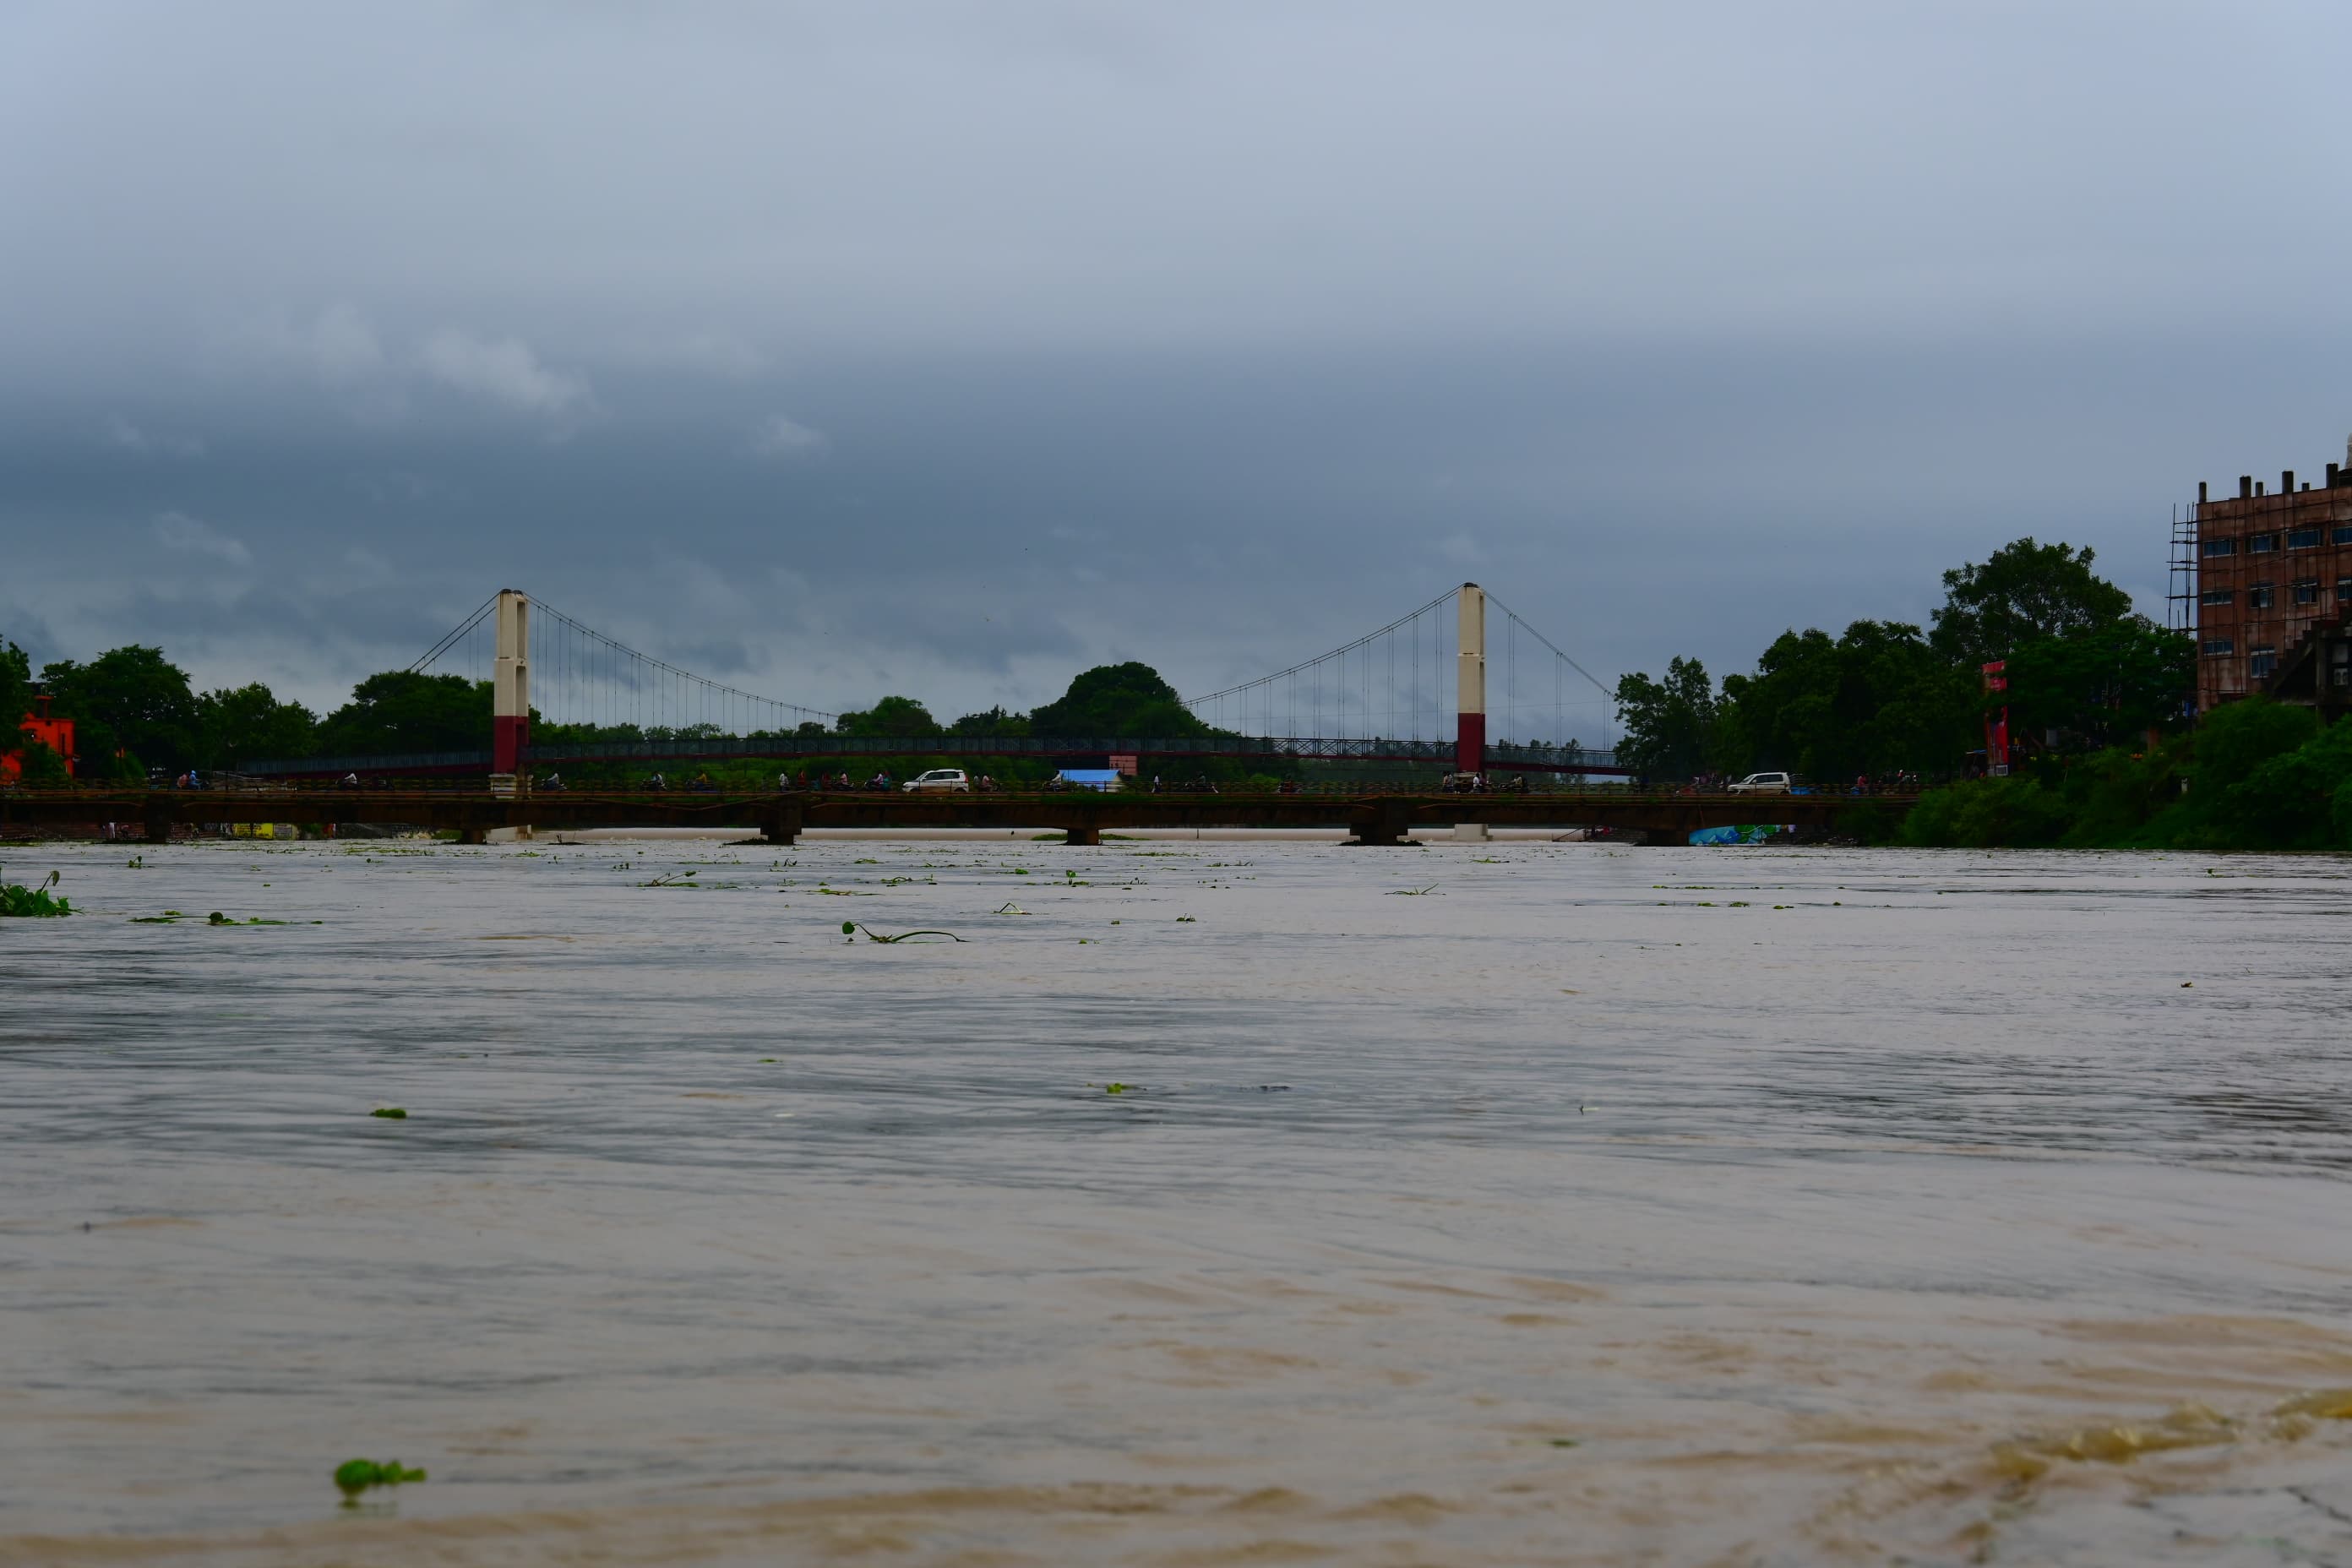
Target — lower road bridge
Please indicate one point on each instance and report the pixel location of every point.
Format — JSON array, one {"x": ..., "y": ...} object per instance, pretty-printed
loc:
[{"x": 779, "y": 816}]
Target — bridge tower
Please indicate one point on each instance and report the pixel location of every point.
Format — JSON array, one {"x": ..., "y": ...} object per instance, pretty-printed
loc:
[
  {"x": 510, "y": 686},
  {"x": 1470, "y": 707}
]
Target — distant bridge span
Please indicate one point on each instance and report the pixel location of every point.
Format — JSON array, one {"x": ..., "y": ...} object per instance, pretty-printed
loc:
[
  {"x": 1380, "y": 683},
  {"x": 779, "y": 816},
  {"x": 1504, "y": 756}
]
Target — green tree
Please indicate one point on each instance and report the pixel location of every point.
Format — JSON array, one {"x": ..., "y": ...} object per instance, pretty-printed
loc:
[
  {"x": 891, "y": 716},
  {"x": 37, "y": 764},
  {"x": 16, "y": 685},
  {"x": 129, "y": 699},
  {"x": 2239, "y": 737},
  {"x": 239, "y": 724},
  {"x": 1668, "y": 724},
  {"x": 401, "y": 710},
  {"x": 995, "y": 722},
  {"x": 1876, "y": 699},
  {"x": 1114, "y": 700},
  {"x": 2023, "y": 592},
  {"x": 2100, "y": 687}
]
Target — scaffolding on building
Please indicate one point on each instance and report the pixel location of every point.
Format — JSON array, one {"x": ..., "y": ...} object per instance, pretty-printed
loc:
[{"x": 2180, "y": 596}]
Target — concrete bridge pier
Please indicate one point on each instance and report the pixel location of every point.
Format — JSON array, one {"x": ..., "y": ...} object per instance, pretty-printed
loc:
[
  {"x": 781, "y": 826},
  {"x": 1091, "y": 833},
  {"x": 157, "y": 829},
  {"x": 1391, "y": 823}
]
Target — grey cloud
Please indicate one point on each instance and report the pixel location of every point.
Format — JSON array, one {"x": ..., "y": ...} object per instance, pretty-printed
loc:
[
  {"x": 123, "y": 434},
  {"x": 782, "y": 438},
  {"x": 179, "y": 532},
  {"x": 1213, "y": 335},
  {"x": 502, "y": 371}
]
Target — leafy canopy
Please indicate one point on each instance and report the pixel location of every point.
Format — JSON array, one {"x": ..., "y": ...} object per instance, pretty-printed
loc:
[
  {"x": 241, "y": 724},
  {"x": 1112, "y": 701},
  {"x": 2023, "y": 591},
  {"x": 128, "y": 700},
  {"x": 401, "y": 710},
  {"x": 1669, "y": 723},
  {"x": 891, "y": 716}
]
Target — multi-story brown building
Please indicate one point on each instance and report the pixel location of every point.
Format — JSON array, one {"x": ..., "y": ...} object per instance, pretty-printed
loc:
[{"x": 2268, "y": 579}]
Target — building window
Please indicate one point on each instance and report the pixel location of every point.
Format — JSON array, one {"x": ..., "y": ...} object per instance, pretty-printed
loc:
[
  {"x": 2217, "y": 647},
  {"x": 2220, "y": 547},
  {"x": 2260, "y": 543},
  {"x": 2340, "y": 534},
  {"x": 2302, "y": 538},
  {"x": 2344, "y": 590},
  {"x": 2225, "y": 595},
  {"x": 2260, "y": 596},
  {"x": 2260, "y": 661},
  {"x": 2308, "y": 591}
]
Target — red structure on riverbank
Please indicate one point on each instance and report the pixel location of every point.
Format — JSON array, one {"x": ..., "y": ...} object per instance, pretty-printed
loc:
[{"x": 56, "y": 734}]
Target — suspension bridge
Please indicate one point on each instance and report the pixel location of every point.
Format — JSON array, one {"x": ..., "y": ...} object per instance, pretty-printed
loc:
[{"x": 1415, "y": 691}]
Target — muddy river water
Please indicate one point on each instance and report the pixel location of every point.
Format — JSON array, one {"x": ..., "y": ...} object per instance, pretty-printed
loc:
[{"x": 1207, "y": 1202}]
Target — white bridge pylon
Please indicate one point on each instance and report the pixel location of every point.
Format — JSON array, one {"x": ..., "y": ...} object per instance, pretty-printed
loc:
[{"x": 510, "y": 685}]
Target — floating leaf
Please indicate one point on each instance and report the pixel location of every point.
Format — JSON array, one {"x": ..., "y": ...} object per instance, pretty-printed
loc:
[
  {"x": 390, "y": 1112},
  {"x": 355, "y": 1476}
]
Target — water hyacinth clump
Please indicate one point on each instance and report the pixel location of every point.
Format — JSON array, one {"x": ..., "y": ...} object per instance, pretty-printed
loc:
[
  {"x": 33, "y": 902},
  {"x": 356, "y": 1476}
]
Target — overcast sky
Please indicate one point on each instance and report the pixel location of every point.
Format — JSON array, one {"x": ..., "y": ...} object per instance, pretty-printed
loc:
[{"x": 948, "y": 348}]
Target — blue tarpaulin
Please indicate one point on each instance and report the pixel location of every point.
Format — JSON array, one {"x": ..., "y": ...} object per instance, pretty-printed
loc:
[{"x": 1749, "y": 833}]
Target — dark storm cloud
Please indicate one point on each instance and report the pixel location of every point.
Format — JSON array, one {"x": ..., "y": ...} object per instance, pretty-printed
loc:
[{"x": 831, "y": 349}]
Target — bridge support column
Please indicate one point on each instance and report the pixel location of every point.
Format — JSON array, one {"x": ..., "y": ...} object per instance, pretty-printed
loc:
[
  {"x": 1388, "y": 824},
  {"x": 1088, "y": 834},
  {"x": 159, "y": 829},
  {"x": 510, "y": 686},
  {"x": 781, "y": 826},
  {"x": 472, "y": 835},
  {"x": 1470, "y": 698}
]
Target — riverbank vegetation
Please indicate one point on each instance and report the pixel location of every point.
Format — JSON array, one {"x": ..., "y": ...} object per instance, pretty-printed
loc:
[
  {"x": 1885, "y": 697},
  {"x": 2256, "y": 774}
]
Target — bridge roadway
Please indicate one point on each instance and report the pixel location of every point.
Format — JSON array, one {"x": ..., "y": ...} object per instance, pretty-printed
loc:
[{"x": 1374, "y": 818}]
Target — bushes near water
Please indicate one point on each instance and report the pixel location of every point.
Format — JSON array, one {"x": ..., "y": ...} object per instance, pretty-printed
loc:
[{"x": 2256, "y": 774}]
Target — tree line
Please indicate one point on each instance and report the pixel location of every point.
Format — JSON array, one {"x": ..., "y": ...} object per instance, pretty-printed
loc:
[
  {"x": 134, "y": 711},
  {"x": 2084, "y": 673}
]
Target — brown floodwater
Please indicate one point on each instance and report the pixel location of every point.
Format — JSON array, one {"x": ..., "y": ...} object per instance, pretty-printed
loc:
[{"x": 1474, "y": 1204}]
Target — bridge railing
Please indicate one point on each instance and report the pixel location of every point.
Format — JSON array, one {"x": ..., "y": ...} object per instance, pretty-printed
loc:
[
  {"x": 374, "y": 792},
  {"x": 1505, "y": 755}
]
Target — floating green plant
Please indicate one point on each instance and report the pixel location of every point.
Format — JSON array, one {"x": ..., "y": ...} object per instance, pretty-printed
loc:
[
  {"x": 1412, "y": 893},
  {"x": 356, "y": 1476},
  {"x": 1186, "y": 921},
  {"x": 35, "y": 902},
  {"x": 391, "y": 1112},
  {"x": 1010, "y": 907},
  {"x": 671, "y": 879}
]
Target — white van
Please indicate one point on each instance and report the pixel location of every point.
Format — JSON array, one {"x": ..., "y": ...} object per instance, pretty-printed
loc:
[
  {"x": 1764, "y": 784},
  {"x": 954, "y": 780}
]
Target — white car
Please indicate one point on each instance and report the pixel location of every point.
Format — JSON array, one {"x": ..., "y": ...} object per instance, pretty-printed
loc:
[
  {"x": 952, "y": 779},
  {"x": 1763, "y": 783}
]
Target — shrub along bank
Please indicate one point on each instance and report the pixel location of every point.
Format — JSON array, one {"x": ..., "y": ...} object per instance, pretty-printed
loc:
[{"x": 2256, "y": 774}]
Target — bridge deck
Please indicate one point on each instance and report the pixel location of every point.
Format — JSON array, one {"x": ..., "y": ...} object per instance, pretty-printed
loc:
[{"x": 1374, "y": 817}]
